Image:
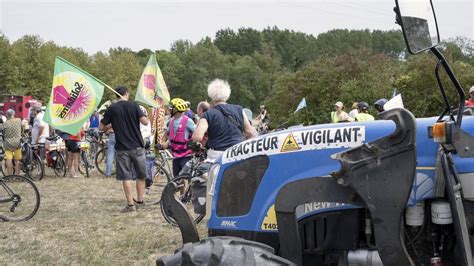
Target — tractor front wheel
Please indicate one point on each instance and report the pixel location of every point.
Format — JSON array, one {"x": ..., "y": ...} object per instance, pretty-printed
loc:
[{"x": 224, "y": 251}]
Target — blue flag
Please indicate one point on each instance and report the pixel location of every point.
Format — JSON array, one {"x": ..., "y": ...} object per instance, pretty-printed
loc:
[{"x": 301, "y": 105}]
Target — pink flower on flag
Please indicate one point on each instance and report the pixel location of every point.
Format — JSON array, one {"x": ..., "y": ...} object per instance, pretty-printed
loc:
[
  {"x": 60, "y": 95},
  {"x": 149, "y": 81},
  {"x": 80, "y": 105}
]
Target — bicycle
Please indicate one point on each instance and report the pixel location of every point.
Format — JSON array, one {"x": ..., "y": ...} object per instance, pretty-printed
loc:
[
  {"x": 55, "y": 156},
  {"x": 191, "y": 180},
  {"x": 15, "y": 192},
  {"x": 101, "y": 156},
  {"x": 19, "y": 198},
  {"x": 84, "y": 166},
  {"x": 93, "y": 136},
  {"x": 162, "y": 174},
  {"x": 31, "y": 163}
]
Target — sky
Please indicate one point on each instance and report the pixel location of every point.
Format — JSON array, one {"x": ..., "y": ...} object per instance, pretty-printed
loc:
[{"x": 102, "y": 24}]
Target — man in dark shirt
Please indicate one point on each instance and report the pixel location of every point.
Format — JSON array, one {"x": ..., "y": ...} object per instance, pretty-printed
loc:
[{"x": 125, "y": 117}]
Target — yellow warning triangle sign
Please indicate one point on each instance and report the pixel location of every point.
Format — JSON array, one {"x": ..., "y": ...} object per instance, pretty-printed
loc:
[{"x": 289, "y": 144}]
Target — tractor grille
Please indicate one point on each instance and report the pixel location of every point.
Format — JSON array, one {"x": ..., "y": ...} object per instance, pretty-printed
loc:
[
  {"x": 336, "y": 230},
  {"x": 239, "y": 184}
]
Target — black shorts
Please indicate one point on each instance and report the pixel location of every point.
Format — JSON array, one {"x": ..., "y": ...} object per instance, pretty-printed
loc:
[
  {"x": 130, "y": 164},
  {"x": 179, "y": 164},
  {"x": 72, "y": 146}
]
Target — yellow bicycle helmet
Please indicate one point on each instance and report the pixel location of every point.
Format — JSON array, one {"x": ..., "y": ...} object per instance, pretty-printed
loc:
[{"x": 179, "y": 104}]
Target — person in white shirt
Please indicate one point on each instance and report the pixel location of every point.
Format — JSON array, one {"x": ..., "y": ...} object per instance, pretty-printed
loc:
[
  {"x": 354, "y": 111},
  {"x": 149, "y": 154},
  {"x": 40, "y": 130}
]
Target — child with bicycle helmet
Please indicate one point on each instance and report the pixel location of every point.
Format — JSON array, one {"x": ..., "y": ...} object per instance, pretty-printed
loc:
[{"x": 180, "y": 130}]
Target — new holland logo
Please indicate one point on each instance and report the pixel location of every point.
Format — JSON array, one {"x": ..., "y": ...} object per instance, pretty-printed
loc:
[{"x": 290, "y": 144}]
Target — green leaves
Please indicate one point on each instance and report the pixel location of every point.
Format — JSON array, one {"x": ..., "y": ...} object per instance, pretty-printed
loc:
[{"x": 274, "y": 67}]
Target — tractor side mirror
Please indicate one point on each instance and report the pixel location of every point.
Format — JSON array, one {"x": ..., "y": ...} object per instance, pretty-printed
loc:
[{"x": 418, "y": 22}]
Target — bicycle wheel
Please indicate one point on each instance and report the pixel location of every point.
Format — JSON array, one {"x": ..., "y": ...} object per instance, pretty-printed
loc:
[
  {"x": 84, "y": 164},
  {"x": 35, "y": 169},
  {"x": 59, "y": 166},
  {"x": 160, "y": 178},
  {"x": 19, "y": 198},
  {"x": 91, "y": 153},
  {"x": 101, "y": 162},
  {"x": 3, "y": 167},
  {"x": 183, "y": 184}
]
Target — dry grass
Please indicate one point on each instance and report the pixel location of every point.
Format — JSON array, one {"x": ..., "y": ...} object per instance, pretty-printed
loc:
[{"x": 79, "y": 222}]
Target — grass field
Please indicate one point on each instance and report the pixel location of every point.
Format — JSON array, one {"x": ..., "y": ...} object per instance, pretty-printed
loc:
[{"x": 79, "y": 222}]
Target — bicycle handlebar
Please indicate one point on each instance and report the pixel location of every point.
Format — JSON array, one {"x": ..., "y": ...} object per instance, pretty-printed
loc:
[
  {"x": 54, "y": 138},
  {"x": 37, "y": 145}
]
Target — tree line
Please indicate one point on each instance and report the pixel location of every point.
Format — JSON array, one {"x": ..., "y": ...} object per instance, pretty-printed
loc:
[{"x": 274, "y": 67}]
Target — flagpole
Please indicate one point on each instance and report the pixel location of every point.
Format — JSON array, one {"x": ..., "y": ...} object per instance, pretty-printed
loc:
[
  {"x": 110, "y": 88},
  {"x": 307, "y": 119}
]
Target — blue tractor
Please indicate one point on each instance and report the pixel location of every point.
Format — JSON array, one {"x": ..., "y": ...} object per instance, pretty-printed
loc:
[{"x": 396, "y": 191}]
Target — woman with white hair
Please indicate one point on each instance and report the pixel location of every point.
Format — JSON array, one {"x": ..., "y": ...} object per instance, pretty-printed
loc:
[{"x": 226, "y": 124}]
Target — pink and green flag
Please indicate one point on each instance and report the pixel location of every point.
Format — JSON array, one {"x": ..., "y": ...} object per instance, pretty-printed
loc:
[
  {"x": 74, "y": 97},
  {"x": 152, "y": 88}
]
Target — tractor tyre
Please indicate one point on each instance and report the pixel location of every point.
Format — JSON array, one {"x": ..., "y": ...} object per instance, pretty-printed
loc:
[{"x": 224, "y": 251}]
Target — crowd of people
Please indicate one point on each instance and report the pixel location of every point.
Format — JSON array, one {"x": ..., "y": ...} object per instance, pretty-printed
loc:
[
  {"x": 217, "y": 125},
  {"x": 13, "y": 131},
  {"x": 359, "y": 112}
]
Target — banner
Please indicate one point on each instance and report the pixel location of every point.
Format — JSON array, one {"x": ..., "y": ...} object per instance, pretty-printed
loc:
[
  {"x": 74, "y": 97},
  {"x": 157, "y": 124},
  {"x": 395, "y": 102},
  {"x": 301, "y": 105},
  {"x": 152, "y": 87}
]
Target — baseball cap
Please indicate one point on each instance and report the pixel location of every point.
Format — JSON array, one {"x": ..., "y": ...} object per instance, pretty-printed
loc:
[
  {"x": 471, "y": 89},
  {"x": 37, "y": 107},
  {"x": 339, "y": 104}
]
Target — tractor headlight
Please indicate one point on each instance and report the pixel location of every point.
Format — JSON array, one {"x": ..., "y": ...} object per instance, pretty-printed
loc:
[
  {"x": 213, "y": 172},
  {"x": 442, "y": 132}
]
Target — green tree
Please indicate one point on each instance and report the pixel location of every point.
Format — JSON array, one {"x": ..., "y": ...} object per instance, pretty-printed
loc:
[
  {"x": 245, "y": 42},
  {"x": 172, "y": 69},
  {"x": 28, "y": 76},
  {"x": 5, "y": 64},
  {"x": 354, "y": 76},
  {"x": 417, "y": 83}
]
